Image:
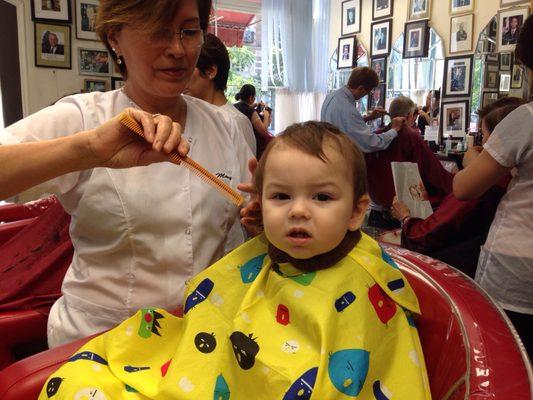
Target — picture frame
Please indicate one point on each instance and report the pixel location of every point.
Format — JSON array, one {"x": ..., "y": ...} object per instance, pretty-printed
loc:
[
  {"x": 461, "y": 6},
  {"x": 382, "y": 9},
  {"x": 492, "y": 57},
  {"x": 52, "y": 11},
  {"x": 488, "y": 98},
  {"x": 510, "y": 22},
  {"x": 490, "y": 76},
  {"x": 507, "y": 3},
  {"x": 86, "y": 11},
  {"x": 380, "y": 38},
  {"x": 94, "y": 62},
  {"x": 419, "y": 9},
  {"x": 505, "y": 83},
  {"x": 52, "y": 46},
  {"x": 347, "y": 52},
  {"x": 95, "y": 85},
  {"x": 506, "y": 61},
  {"x": 416, "y": 39},
  {"x": 376, "y": 98},
  {"x": 379, "y": 65},
  {"x": 351, "y": 17},
  {"x": 454, "y": 119},
  {"x": 517, "y": 76},
  {"x": 117, "y": 82},
  {"x": 461, "y": 33},
  {"x": 458, "y": 75}
]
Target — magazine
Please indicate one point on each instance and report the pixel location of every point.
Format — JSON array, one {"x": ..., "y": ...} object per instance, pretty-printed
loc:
[{"x": 410, "y": 189}]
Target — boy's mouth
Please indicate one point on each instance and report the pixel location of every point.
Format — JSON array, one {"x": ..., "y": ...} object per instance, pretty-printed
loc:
[{"x": 299, "y": 233}]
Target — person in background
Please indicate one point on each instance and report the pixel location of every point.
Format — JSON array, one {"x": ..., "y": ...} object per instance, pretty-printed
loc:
[
  {"x": 245, "y": 103},
  {"x": 339, "y": 109},
  {"x": 138, "y": 233},
  {"x": 209, "y": 81},
  {"x": 429, "y": 111},
  {"x": 314, "y": 308},
  {"x": 409, "y": 147},
  {"x": 505, "y": 267},
  {"x": 456, "y": 230}
]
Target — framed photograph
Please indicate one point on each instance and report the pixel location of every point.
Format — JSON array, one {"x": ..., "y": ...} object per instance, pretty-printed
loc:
[
  {"x": 382, "y": 9},
  {"x": 457, "y": 76},
  {"x": 510, "y": 22},
  {"x": 461, "y": 6},
  {"x": 95, "y": 85},
  {"x": 50, "y": 11},
  {"x": 517, "y": 76},
  {"x": 351, "y": 17},
  {"x": 94, "y": 62},
  {"x": 380, "y": 38},
  {"x": 507, "y": 3},
  {"x": 416, "y": 39},
  {"x": 116, "y": 82},
  {"x": 347, "y": 52},
  {"x": 52, "y": 46},
  {"x": 490, "y": 76},
  {"x": 454, "y": 119},
  {"x": 489, "y": 98},
  {"x": 506, "y": 60},
  {"x": 419, "y": 9},
  {"x": 491, "y": 57},
  {"x": 376, "y": 98},
  {"x": 505, "y": 82},
  {"x": 86, "y": 11},
  {"x": 461, "y": 33},
  {"x": 379, "y": 64}
]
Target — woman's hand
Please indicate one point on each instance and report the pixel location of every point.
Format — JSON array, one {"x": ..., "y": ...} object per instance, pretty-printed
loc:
[
  {"x": 113, "y": 145},
  {"x": 399, "y": 210},
  {"x": 251, "y": 217}
]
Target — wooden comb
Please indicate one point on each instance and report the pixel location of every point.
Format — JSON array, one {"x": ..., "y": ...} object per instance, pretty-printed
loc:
[{"x": 193, "y": 166}]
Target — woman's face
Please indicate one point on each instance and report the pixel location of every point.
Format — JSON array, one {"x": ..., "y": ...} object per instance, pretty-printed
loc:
[{"x": 158, "y": 67}]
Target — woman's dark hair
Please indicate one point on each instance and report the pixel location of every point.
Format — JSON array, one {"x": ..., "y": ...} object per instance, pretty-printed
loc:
[
  {"x": 500, "y": 103},
  {"x": 214, "y": 53},
  {"x": 245, "y": 93},
  {"x": 497, "y": 114},
  {"x": 524, "y": 45}
]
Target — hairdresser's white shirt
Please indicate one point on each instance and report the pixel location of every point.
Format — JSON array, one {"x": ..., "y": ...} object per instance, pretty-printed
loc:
[
  {"x": 244, "y": 124},
  {"x": 138, "y": 233}
]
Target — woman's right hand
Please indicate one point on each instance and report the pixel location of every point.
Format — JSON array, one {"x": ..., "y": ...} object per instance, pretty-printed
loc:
[
  {"x": 113, "y": 145},
  {"x": 399, "y": 210}
]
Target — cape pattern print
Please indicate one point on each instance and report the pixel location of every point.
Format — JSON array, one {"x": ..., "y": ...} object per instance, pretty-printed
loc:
[{"x": 254, "y": 330}]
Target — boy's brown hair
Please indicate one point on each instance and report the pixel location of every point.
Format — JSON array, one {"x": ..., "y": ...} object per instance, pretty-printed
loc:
[
  {"x": 363, "y": 76},
  {"x": 310, "y": 137}
]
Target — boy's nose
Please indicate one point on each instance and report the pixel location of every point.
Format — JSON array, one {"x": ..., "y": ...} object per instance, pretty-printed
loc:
[{"x": 299, "y": 209}]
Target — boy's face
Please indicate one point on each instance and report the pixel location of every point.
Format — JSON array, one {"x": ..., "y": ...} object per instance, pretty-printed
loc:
[{"x": 307, "y": 204}]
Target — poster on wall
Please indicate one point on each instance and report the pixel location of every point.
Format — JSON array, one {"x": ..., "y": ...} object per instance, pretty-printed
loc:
[
  {"x": 380, "y": 38},
  {"x": 382, "y": 8},
  {"x": 454, "y": 119},
  {"x": 510, "y": 22},
  {"x": 379, "y": 65},
  {"x": 94, "y": 62},
  {"x": 86, "y": 11},
  {"x": 351, "y": 17},
  {"x": 461, "y": 6},
  {"x": 461, "y": 33},
  {"x": 347, "y": 51},
  {"x": 52, "y": 46},
  {"x": 416, "y": 39},
  {"x": 457, "y": 76},
  {"x": 419, "y": 9},
  {"x": 50, "y": 11}
]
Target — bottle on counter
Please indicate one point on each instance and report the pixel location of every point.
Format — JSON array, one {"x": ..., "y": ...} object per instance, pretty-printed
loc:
[{"x": 448, "y": 144}]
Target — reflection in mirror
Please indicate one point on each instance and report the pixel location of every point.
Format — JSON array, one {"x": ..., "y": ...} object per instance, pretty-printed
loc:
[
  {"x": 339, "y": 77},
  {"x": 417, "y": 78}
]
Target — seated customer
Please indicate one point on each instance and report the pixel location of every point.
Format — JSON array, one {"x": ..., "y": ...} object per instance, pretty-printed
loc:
[
  {"x": 408, "y": 146},
  {"x": 313, "y": 308},
  {"x": 455, "y": 232}
]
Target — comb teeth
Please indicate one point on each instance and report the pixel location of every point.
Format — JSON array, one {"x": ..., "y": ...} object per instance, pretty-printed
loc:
[{"x": 192, "y": 165}]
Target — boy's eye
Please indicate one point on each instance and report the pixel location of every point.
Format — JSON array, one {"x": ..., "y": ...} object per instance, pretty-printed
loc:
[
  {"x": 322, "y": 197},
  {"x": 281, "y": 196}
]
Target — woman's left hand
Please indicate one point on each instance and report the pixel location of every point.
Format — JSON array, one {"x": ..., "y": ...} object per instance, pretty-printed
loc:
[
  {"x": 251, "y": 212},
  {"x": 399, "y": 210}
]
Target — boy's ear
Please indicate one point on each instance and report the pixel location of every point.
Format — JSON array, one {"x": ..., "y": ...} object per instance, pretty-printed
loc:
[{"x": 359, "y": 212}]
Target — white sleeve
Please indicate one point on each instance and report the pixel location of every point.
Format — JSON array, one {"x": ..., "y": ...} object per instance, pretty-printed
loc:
[
  {"x": 62, "y": 119},
  {"x": 511, "y": 142}
]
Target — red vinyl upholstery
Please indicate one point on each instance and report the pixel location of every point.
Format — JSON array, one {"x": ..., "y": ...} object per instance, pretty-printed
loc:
[{"x": 469, "y": 348}]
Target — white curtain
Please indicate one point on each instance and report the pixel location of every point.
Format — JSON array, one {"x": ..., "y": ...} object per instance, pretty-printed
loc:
[{"x": 299, "y": 29}]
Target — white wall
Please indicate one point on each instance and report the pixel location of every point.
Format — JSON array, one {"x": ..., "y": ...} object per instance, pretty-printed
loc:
[{"x": 439, "y": 21}]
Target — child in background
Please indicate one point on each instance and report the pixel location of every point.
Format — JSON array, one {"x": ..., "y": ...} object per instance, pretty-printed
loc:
[{"x": 314, "y": 308}]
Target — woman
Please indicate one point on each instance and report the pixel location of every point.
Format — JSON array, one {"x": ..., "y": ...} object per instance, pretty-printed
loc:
[
  {"x": 457, "y": 229},
  {"x": 209, "y": 81},
  {"x": 246, "y": 99},
  {"x": 138, "y": 233},
  {"x": 505, "y": 267}
]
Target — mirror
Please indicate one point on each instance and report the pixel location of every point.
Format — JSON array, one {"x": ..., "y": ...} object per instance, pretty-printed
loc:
[{"x": 339, "y": 77}]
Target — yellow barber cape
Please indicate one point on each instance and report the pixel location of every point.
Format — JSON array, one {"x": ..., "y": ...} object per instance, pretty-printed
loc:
[{"x": 254, "y": 330}]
